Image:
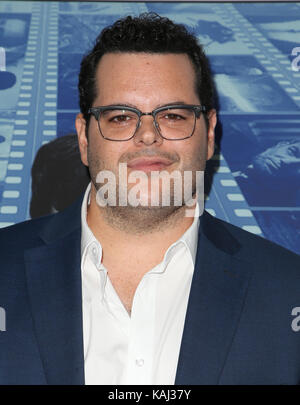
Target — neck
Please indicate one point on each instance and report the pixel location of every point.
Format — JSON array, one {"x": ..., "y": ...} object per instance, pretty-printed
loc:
[{"x": 120, "y": 230}]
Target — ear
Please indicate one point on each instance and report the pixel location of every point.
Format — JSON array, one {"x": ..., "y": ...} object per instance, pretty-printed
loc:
[
  {"x": 80, "y": 125},
  {"x": 212, "y": 121}
]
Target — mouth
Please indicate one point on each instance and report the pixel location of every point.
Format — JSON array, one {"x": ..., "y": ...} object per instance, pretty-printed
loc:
[{"x": 149, "y": 164}]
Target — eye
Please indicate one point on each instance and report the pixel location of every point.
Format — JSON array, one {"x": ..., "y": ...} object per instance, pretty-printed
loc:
[
  {"x": 176, "y": 115},
  {"x": 173, "y": 117},
  {"x": 120, "y": 118}
]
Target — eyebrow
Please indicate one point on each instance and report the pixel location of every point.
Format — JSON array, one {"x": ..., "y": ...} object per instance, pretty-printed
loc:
[{"x": 180, "y": 102}]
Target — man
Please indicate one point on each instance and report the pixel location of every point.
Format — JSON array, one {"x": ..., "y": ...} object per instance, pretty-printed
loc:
[{"x": 124, "y": 294}]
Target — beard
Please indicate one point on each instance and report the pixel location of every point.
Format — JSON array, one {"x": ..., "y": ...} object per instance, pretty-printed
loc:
[{"x": 145, "y": 210}]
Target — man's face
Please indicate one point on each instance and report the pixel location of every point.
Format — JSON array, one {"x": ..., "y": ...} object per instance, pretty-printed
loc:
[{"x": 145, "y": 81}]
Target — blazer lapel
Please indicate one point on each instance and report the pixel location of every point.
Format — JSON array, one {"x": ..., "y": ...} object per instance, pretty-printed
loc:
[
  {"x": 54, "y": 283},
  {"x": 216, "y": 300}
]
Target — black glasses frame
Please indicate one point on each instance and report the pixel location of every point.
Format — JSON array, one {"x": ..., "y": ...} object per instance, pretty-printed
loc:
[{"x": 197, "y": 109}]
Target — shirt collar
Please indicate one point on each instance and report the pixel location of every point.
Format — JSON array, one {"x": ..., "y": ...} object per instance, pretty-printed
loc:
[
  {"x": 88, "y": 239},
  {"x": 86, "y": 235},
  {"x": 189, "y": 239}
]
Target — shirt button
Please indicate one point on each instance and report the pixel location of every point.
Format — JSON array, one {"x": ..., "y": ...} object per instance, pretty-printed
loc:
[
  {"x": 94, "y": 250},
  {"x": 139, "y": 362}
]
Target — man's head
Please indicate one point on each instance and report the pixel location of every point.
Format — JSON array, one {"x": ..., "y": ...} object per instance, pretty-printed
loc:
[
  {"x": 58, "y": 176},
  {"x": 151, "y": 34},
  {"x": 145, "y": 62}
]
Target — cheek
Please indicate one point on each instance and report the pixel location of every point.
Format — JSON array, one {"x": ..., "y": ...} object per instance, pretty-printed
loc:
[
  {"x": 195, "y": 153},
  {"x": 103, "y": 155}
]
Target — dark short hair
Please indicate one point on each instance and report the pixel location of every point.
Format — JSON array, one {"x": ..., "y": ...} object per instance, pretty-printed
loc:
[
  {"x": 148, "y": 33},
  {"x": 58, "y": 176}
]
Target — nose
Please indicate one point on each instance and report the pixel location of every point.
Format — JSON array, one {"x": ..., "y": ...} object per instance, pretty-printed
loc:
[{"x": 147, "y": 133}]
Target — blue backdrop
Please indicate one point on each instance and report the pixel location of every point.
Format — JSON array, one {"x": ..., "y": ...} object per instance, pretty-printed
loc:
[{"x": 254, "y": 50}]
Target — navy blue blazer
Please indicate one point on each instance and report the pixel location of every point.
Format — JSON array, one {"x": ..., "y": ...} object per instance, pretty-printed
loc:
[{"x": 238, "y": 326}]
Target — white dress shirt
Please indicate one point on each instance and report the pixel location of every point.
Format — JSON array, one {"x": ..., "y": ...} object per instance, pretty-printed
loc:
[{"x": 141, "y": 348}]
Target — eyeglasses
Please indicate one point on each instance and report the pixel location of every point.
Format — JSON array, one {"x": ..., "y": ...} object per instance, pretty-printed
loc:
[{"x": 172, "y": 122}]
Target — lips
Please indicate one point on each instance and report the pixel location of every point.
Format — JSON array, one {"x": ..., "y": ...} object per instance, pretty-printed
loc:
[{"x": 148, "y": 164}]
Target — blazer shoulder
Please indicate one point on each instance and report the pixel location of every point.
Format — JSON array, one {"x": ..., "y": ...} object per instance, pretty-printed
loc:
[
  {"x": 22, "y": 235},
  {"x": 251, "y": 247},
  {"x": 45, "y": 229}
]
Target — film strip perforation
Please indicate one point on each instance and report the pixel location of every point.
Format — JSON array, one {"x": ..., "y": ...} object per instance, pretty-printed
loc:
[{"x": 16, "y": 182}]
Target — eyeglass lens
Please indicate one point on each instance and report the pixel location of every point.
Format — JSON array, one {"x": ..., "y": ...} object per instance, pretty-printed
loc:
[{"x": 173, "y": 123}]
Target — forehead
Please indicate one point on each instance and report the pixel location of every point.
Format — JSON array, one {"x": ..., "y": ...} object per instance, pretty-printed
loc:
[{"x": 140, "y": 74}]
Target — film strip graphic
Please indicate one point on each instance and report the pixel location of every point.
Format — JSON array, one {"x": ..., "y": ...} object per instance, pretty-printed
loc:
[
  {"x": 17, "y": 181},
  {"x": 263, "y": 50},
  {"x": 226, "y": 201},
  {"x": 283, "y": 74},
  {"x": 35, "y": 120}
]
